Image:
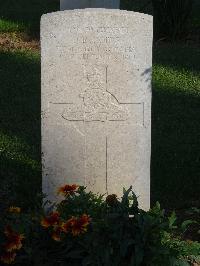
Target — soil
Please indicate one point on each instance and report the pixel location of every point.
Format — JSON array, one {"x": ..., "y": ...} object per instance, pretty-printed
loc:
[{"x": 21, "y": 41}]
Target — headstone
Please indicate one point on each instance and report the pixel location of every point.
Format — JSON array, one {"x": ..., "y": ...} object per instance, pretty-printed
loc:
[
  {"x": 74, "y": 4},
  {"x": 96, "y": 101}
]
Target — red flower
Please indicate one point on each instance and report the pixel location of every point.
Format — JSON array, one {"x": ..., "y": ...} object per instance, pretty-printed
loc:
[
  {"x": 8, "y": 257},
  {"x": 66, "y": 226},
  {"x": 51, "y": 220},
  {"x": 85, "y": 219},
  {"x": 67, "y": 190},
  {"x": 56, "y": 235},
  {"x": 79, "y": 225},
  {"x": 14, "y": 240},
  {"x": 58, "y": 230}
]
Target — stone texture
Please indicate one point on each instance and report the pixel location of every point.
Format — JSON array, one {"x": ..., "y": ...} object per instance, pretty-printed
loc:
[
  {"x": 75, "y": 4},
  {"x": 96, "y": 101}
]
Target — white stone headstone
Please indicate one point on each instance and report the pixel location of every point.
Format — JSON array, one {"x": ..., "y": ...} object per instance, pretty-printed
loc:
[
  {"x": 74, "y": 4},
  {"x": 96, "y": 101}
]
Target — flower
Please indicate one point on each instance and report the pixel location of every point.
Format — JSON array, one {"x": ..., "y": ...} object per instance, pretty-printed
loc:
[
  {"x": 66, "y": 226},
  {"x": 79, "y": 225},
  {"x": 59, "y": 229},
  {"x": 14, "y": 240},
  {"x": 13, "y": 209},
  {"x": 67, "y": 190},
  {"x": 51, "y": 220},
  {"x": 85, "y": 219},
  {"x": 8, "y": 257},
  {"x": 58, "y": 226},
  {"x": 56, "y": 235}
]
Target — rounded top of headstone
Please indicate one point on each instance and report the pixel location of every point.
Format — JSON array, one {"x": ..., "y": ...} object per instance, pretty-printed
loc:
[{"x": 98, "y": 11}]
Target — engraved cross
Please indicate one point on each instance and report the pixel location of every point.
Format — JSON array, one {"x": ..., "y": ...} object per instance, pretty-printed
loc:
[{"x": 98, "y": 104}]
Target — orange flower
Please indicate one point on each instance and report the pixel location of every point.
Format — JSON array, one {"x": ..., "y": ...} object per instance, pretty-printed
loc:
[
  {"x": 51, "y": 220},
  {"x": 67, "y": 190},
  {"x": 13, "y": 209},
  {"x": 14, "y": 240},
  {"x": 79, "y": 225},
  {"x": 56, "y": 235},
  {"x": 66, "y": 226},
  {"x": 8, "y": 257},
  {"x": 59, "y": 229},
  {"x": 85, "y": 219}
]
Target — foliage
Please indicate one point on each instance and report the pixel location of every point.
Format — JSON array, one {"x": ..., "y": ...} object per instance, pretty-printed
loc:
[
  {"x": 86, "y": 229},
  {"x": 171, "y": 17},
  {"x": 184, "y": 249}
]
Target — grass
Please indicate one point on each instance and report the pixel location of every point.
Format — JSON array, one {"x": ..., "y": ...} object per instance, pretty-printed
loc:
[
  {"x": 24, "y": 15},
  {"x": 175, "y": 167},
  {"x": 175, "y": 126},
  {"x": 20, "y": 126},
  {"x": 10, "y": 26}
]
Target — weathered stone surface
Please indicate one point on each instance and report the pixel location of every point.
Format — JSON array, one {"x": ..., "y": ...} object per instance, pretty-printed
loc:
[
  {"x": 76, "y": 4},
  {"x": 96, "y": 101}
]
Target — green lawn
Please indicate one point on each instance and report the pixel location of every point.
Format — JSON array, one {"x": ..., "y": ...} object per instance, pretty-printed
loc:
[
  {"x": 24, "y": 15},
  {"x": 20, "y": 126},
  {"x": 175, "y": 168}
]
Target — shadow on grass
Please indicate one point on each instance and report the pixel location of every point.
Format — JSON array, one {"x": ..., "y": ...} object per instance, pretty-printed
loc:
[
  {"x": 20, "y": 127},
  {"x": 175, "y": 167},
  {"x": 178, "y": 56},
  {"x": 27, "y": 12},
  {"x": 20, "y": 184}
]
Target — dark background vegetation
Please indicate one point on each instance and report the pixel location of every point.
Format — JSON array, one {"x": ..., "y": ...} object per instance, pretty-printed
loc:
[{"x": 175, "y": 166}]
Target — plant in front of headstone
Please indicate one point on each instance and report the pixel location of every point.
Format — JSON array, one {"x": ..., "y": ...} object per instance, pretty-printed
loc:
[
  {"x": 88, "y": 229},
  {"x": 12, "y": 236}
]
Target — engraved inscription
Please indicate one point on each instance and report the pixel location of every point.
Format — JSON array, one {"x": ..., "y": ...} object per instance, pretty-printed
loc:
[
  {"x": 98, "y": 103},
  {"x": 102, "y": 29},
  {"x": 97, "y": 106},
  {"x": 98, "y": 51},
  {"x": 109, "y": 43}
]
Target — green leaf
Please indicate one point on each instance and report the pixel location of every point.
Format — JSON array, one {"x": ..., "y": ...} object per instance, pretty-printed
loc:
[
  {"x": 194, "y": 210},
  {"x": 178, "y": 262},
  {"x": 186, "y": 223},
  {"x": 157, "y": 205},
  {"x": 125, "y": 200},
  {"x": 172, "y": 219}
]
